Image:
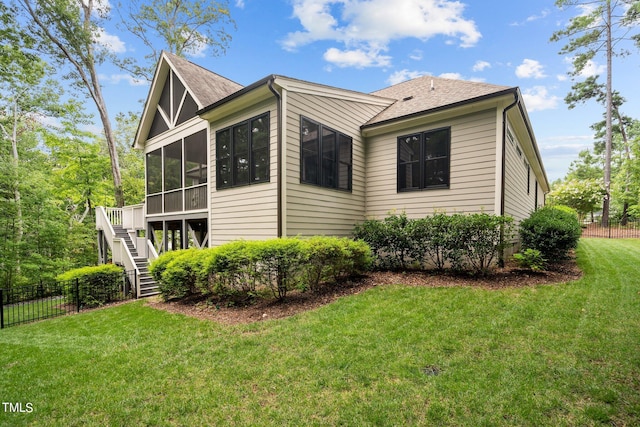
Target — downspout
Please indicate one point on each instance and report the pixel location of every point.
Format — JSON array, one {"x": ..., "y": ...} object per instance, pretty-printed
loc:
[
  {"x": 279, "y": 152},
  {"x": 504, "y": 169}
]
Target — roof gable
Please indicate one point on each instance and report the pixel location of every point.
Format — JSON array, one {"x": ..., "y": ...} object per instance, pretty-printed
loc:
[
  {"x": 427, "y": 93},
  {"x": 179, "y": 89}
]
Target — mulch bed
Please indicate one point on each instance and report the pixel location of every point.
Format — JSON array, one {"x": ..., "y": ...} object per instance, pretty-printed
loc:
[{"x": 297, "y": 302}]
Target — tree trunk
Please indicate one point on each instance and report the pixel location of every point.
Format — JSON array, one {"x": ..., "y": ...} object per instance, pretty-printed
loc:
[
  {"x": 609, "y": 134},
  {"x": 16, "y": 184}
]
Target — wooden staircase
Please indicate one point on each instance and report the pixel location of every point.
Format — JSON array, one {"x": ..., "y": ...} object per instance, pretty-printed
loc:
[{"x": 148, "y": 286}]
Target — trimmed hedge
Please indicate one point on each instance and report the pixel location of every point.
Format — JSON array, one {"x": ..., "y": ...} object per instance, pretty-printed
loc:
[
  {"x": 462, "y": 242},
  {"x": 245, "y": 267},
  {"x": 553, "y": 230},
  {"x": 98, "y": 285}
]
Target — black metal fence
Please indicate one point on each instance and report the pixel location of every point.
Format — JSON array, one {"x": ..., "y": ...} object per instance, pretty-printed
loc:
[
  {"x": 615, "y": 230},
  {"x": 24, "y": 304}
]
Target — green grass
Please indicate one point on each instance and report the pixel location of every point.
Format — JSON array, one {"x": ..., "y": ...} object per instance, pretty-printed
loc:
[
  {"x": 28, "y": 311},
  {"x": 565, "y": 354}
]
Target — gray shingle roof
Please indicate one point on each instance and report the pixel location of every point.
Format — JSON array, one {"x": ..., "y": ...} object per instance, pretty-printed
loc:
[
  {"x": 416, "y": 96},
  {"x": 206, "y": 86}
]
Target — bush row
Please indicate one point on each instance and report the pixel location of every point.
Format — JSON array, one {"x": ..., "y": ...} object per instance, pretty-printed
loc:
[
  {"x": 461, "y": 242},
  {"x": 245, "y": 267},
  {"x": 97, "y": 285}
]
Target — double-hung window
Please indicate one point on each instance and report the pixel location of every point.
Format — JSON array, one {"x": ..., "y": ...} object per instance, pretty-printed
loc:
[
  {"x": 242, "y": 153},
  {"x": 325, "y": 156},
  {"x": 423, "y": 160}
]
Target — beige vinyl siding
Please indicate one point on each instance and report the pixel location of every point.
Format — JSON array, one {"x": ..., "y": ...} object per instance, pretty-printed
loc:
[
  {"x": 518, "y": 203},
  {"x": 472, "y": 170},
  {"x": 251, "y": 211},
  {"x": 313, "y": 210}
]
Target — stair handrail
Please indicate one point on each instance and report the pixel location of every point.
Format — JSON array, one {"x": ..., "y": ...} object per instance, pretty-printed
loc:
[
  {"x": 102, "y": 219},
  {"x": 151, "y": 251}
]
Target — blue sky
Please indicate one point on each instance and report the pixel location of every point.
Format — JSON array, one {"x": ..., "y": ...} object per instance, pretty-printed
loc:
[{"x": 366, "y": 45}]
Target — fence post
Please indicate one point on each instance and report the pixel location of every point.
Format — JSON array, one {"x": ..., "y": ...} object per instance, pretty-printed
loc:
[
  {"x": 1, "y": 308},
  {"x": 77, "y": 291}
]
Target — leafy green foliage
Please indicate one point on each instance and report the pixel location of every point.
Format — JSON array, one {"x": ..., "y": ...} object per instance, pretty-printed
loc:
[
  {"x": 584, "y": 196},
  {"x": 531, "y": 259},
  {"x": 463, "y": 242},
  {"x": 551, "y": 230},
  {"x": 97, "y": 285},
  {"x": 244, "y": 268}
]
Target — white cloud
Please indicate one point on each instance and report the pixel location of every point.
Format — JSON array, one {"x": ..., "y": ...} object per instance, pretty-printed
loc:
[
  {"x": 117, "y": 78},
  {"x": 538, "y": 98},
  {"x": 532, "y": 18},
  {"x": 357, "y": 58},
  {"x": 481, "y": 66},
  {"x": 416, "y": 55},
  {"x": 404, "y": 75},
  {"x": 452, "y": 76},
  {"x": 592, "y": 68},
  {"x": 530, "y": 69},
  {"x": 240, "y": 4},
  {"x": 110, "y": 41},
  {"x": 370, "y": 25}
]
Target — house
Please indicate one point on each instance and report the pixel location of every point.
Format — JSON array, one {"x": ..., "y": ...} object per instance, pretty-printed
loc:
[{"x": 286, "y": 157}]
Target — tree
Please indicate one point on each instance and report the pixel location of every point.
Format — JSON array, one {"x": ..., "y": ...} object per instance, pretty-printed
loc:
[
  {"x": 600, "y": 27},
  {"x": 67, "y": 30},
  {"x": 581, "y": 195},
  {"x": 183, "y": 26}
]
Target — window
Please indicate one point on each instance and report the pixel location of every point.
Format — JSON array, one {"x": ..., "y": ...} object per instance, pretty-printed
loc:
[
  {"x": 423, "y": 160},
  {"x": 242, "y": 153},
  {"x": 325, "y": 156}
]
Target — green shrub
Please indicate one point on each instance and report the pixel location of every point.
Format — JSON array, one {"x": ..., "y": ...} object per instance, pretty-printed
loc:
[
  {"x": 462, "y": 242},
  {"x": 432, "y": 235},
  {"x": 390, "y": 240},
  {"x": 233, "y": 268},
  {"x": 97, "y": 285},
  {"x": 551, "y": 230},
  {"x": 332, "y": 258},
  {"x": 178, "y": 280},
  {"x": 278, "y": 264},
  {"x": 158, "y": 265},
  {"x": 530, "y": 259},
  {"x": 480, "y": 239}
]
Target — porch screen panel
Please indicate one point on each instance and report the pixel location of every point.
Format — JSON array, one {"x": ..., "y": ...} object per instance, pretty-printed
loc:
[
  {"x": 195, "y": 161},
  {"x": 154, "y": 172},
  {"x": 173, "y": 166}
]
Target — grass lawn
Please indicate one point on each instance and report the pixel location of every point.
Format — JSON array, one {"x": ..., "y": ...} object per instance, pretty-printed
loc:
[
  {"x": 26, "y": 312},
  {"x": 565, "y": 354}
]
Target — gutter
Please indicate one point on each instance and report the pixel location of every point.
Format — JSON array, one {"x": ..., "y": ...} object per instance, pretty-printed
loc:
[
  {"x": 504, "y": 169},
  {"x": 504, "y": 149},
  {"x": 279, "y": 148}
]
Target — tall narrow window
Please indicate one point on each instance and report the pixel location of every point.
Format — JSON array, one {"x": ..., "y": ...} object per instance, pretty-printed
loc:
[
  {"x": 242, "y": 153},
  {"x": 423, "y": 160},
  {"x": 260, "y": 149},
  {"x": 223, "y": 159},
  {"x": 325, "y": 156},
  {"x": 310, "y": 152}
]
